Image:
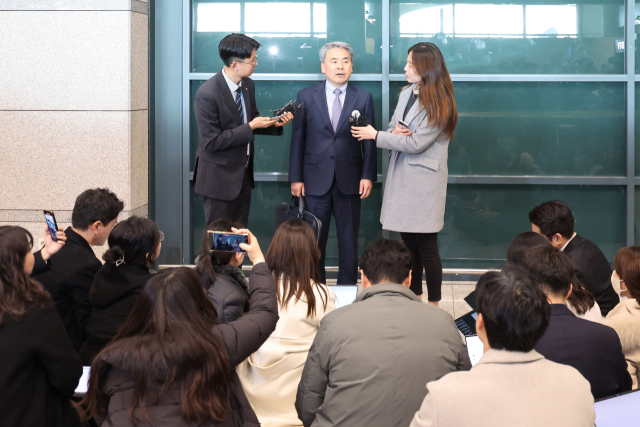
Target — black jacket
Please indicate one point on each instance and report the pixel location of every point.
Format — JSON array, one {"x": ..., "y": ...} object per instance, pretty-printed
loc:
[
  {"x": 69, "y": 280},
  {"x": 113, "y": 294},
  {"x": 241, "y": 338},
  {"x": 229, "y": 293},
  {"x": 39, "y": 371},
  {"x": 222, "y": 138},
  {"x": 592, "y": 348},
  {"x": 593, "y": 271}
]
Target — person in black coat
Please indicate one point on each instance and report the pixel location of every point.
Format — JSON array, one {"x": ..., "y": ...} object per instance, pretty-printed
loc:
[
  {"x": 73, "y": 268},
  {"x": 133, "y": 244},
  {"x": 221, "y": 274},
  {"x": 555, "y": 221},
  {"x": 227, "y": 116},
  {"x": 592, "y": 348},
  {"x": 40, "y": 369}
]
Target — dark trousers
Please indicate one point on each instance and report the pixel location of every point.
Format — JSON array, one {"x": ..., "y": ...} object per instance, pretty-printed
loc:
[
  {"x": 346, "y": 211},
  {"x": 234, "y": 210},
  {"x": 424, "y": 247}
]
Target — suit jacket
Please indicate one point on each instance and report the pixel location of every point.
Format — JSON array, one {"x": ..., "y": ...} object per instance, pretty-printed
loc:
[
  {"x": 590, "y": 347},
  {"x": 419, "y": 158},
  {"x": 222, "y": 138},
  {"x": 507, "y": 389},
  {"x": 68, "y": 280},
  {"x": 593, "y": 271},
  {"x": 318, "y": 153}
]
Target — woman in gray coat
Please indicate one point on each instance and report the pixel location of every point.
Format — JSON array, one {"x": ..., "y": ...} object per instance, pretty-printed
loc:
[{"x": 416, "y": 185}]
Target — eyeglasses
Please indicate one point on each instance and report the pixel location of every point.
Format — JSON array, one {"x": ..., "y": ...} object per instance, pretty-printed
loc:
[
  {"x": 254, "y": 62},
  {"x": 161, "y": 235}
]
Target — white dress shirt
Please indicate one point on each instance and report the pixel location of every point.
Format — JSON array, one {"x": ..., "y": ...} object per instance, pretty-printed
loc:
[
  {"x": 329, "y": 88},
  {"x": 565, "y": 245}
]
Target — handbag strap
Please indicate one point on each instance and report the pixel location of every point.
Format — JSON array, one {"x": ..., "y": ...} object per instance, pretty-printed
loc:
[{"x": 300, "y": 204}]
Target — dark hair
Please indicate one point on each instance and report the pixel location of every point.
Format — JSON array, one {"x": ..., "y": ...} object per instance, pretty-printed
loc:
[
  {"x": 18, "y": 291},
  {"x": 627, "y": 265},
  {"x": 553, "y": 217},
  {"x": 96, "y": 204},
  {"x": 205, "y": 265},
  {"x": 514, "y": 309},
  {"x": 294, "y": 258},
  {"x": 522, "y": 243},
  {"x": 167, "y": 343},
  {"x": 552, "y": 269},
  {"x": 386, "y": 260},
  {"x": 436, "y": 88},
  {"x": 236, "y": 46},
  {"x": 136, "y": 239}
]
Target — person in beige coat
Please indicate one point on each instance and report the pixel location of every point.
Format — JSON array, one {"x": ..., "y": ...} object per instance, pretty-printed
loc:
[
  {"x": 625, "y": 317},
  {"x": 512, "y": 384},
  {"x": 271, "y": 375}
]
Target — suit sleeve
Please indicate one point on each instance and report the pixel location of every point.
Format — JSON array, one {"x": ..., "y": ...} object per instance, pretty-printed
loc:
[
  {"x": 296, "y": 150},
  {"x": 314, "y": 382},
  {"x": 210, "y": 130},
  {"x": 40, "y": 265},
  {"x": 370, "y": 154},
  {"x": 271, "y": 130},
  {"x": 54, "y": 349},
  {"x": 427, "y": 416}
]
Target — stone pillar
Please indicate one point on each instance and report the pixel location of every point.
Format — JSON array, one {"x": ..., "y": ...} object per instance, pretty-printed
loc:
[{"x": 73, "y": 106}]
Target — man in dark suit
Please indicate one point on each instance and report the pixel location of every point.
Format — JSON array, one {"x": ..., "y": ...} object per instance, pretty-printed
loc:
[
  {"x": 592, "y": 348},
  {"x": 72, "y": 270},
  {"x": 555, "y": 221},
  {"x": 227, "y": 116},
  {"x": 327, "y": 165}
]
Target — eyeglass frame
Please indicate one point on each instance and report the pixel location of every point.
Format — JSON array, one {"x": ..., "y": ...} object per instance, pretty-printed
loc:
[{"x": 254, "y": 62}]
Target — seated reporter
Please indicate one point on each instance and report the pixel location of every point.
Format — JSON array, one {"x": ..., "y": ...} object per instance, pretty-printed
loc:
[
  {"x": 370, "y": 360},
  {"x": 39, "y": 367},
  {"x": 512, "y": 384},
  {"x": 133, "y": 244},
  {"x": 593, "y": 349}
]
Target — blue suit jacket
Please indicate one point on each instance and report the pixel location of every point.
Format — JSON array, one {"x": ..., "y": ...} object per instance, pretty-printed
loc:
[{"x": 318, "y": 153}]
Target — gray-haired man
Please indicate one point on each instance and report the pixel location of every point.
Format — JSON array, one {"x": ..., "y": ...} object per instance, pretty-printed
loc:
[{"x": 327, "y": 165}]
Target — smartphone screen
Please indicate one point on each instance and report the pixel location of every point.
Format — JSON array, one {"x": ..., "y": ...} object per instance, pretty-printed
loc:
[
  {"x": 228, "y": 242},
  {"x": 51, "y": 223},
  {"x": 403, "y": 124}
]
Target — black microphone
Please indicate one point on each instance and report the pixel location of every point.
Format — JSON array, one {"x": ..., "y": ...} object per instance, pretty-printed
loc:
[{"x": 357, "y": 119}]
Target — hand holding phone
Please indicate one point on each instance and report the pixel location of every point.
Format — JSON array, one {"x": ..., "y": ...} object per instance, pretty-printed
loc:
[
  {"x": 403, "y": 124},
  {"x": 54, "y": 237},
  {"x": 51, "y": 224},
  {"x": 226, "y": 241}
]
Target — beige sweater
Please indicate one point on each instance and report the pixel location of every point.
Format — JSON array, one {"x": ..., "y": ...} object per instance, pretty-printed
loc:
[
  {"x": 625, "y": 319},
  {"x": 271, "y": 375}
]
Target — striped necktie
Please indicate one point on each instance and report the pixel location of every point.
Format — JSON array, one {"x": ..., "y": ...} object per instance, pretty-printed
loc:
[{"x": 239, "y": 104}]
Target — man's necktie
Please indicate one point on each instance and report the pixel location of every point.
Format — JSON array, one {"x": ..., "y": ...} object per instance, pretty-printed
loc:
[
  {"x": 241, "y": 112},
  {"x": 337, "y": 109}
]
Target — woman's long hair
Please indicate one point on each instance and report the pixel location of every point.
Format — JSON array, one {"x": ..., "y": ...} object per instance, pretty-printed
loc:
[
  {"x": 134, "y": 241},
  {"x": 205, "y": 266},
  {"x": 18, "y": 291},
  {"x": 627, "y": 265},
  {"x": 436, "y": 88},
  {"x": 294, "y": 258},
  {"x": 167, "y": 341}
]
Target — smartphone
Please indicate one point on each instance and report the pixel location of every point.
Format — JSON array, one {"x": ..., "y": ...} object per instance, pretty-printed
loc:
[
  {"x": 225, "y": 241},
  {"x": 403, "y": 124},
  {"x": 52, "y": 224}
]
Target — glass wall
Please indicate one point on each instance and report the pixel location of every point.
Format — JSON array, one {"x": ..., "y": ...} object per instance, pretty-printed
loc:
[{"x": 542, "y": 91}]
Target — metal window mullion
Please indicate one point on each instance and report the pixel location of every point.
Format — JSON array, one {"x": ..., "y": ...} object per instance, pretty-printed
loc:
[
  {"x": 386, "y": 53},
  {"x": 630, "y": 61},
  {"x": 186, "y": 111}
]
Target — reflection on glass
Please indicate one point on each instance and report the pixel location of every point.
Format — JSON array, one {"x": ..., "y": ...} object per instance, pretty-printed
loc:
[
  {"x": 286, "y": 19},
  {"x": 508, "y": 38},
  {"x": 218, "y": 17},
  {"x": 482, "y": 220},
  {"x": 570, "y": 129}
]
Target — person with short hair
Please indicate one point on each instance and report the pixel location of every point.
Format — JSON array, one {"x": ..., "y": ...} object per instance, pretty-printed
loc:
[
  {"x": 512, "y": 384},
  {"x": 228, "y": 120},
  {"x": 625, "y": 317},
  {"x": 370, "y": 360},
  {"x": 74, "y": 267},
  {"x": 134, "y": 244},
  {"x": 554, "y": 220},
  {"x": 593, "y": 349}
]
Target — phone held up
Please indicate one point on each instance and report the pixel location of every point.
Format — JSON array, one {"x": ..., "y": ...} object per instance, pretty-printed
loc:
[
  {"x": 52, "y": 224},
  {"x": 403, "y": 124},
  {"x": 227, "y": 242}
]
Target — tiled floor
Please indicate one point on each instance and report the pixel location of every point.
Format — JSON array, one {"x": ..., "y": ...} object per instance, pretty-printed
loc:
[{"x": 452, "y": 296}]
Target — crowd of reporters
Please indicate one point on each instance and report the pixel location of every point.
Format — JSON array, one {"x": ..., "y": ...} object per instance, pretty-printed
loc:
[{"x": 207, "y": 346}]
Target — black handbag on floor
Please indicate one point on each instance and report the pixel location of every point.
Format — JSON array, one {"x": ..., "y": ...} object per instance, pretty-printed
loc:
[{"x": 287, "y": 211}]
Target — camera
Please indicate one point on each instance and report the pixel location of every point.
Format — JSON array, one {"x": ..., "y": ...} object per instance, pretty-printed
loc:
[
  {"x": 357, "y": 120},
  {"x": 289, "y": 107}
]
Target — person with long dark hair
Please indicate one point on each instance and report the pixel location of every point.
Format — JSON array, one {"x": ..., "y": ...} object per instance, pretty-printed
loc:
[
  {"x": 222, "y": 277},
  {"x": 416, "y": 184},
  {"x": 133, "y": 245},
  {"x": 271, "y": 375},
  {"x": 172, "y": 364},
  {"x": 40, "y": 368}
]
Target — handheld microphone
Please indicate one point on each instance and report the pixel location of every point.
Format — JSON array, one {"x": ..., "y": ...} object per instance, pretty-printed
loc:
[{"x": 357, "y": 120}]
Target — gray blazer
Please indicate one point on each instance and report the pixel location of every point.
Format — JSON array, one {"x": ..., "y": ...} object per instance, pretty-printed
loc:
[
  {"x": 416, "y": 186},
  {"x": 370, "y": 361},
  {"x": 506, "y": 389}
]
